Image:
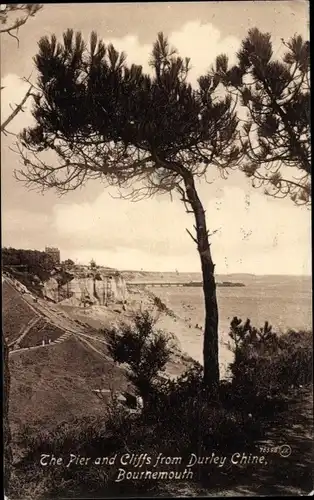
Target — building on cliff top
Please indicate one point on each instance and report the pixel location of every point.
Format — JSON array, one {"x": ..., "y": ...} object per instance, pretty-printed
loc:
[{"x": 54, "y": 253}]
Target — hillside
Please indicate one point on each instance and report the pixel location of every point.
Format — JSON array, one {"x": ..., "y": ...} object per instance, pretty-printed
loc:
[
  {"x": 56, "y": 383},
  {"x": 16, "y": 313},
  {"x": 53, "y": 382},
  {"x": 58, "y": 358}
]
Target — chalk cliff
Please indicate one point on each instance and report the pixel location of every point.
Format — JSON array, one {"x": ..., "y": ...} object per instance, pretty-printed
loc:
[{"x": 99, "y": 288}]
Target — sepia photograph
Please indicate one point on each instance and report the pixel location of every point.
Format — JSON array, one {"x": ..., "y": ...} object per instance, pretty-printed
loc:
[{"x": 156, "y": 249}]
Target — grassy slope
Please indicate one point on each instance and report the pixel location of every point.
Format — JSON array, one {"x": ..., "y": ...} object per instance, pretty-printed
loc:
[
  {"x": 16, "y": 313},
  {"x": 41, "y": 331},
  {"x": 53, "y": 384}
]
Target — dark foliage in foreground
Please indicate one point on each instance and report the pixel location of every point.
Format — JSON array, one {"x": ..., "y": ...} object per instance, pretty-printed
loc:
[
  {"x": 178, "y": 419},
  {"x": 268, "y": 365}
]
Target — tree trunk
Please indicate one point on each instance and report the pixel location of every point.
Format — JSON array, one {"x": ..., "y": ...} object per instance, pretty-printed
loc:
[
  {"x": 6, "y": 422},
  {"x": 210, "y": 345}
]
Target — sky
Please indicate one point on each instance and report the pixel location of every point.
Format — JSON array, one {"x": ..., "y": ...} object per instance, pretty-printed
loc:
[{"x": 253, "y": 233}]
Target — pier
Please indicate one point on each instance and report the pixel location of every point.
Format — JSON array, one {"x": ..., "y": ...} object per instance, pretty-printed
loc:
[
  {"x": 162, "y": 283},
  {"x": 196, "y": 284}
]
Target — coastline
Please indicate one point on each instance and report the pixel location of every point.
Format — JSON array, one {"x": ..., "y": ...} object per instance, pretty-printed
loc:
[{"x": 182, "y": 333}]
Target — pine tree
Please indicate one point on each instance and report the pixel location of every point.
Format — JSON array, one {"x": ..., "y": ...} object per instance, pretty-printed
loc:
[
  {"x": 276, "y": 95},
  {"x": 110, "y": 121}
]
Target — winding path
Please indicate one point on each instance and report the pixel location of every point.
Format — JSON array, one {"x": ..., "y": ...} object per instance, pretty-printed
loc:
[{"x": 25, "y": 331}]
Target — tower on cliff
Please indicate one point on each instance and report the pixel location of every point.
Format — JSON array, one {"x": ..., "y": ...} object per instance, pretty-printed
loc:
[{"x": 54, "y": 253}]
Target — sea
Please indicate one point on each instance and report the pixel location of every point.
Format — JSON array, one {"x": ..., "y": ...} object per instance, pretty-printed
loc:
[{"x": 284, "y": 301}]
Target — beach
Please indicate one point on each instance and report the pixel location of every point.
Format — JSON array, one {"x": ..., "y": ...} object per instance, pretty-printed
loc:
[{"x": 284, "y": 301}]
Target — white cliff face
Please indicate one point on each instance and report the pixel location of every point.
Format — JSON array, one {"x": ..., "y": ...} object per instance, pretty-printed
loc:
[
  {"x": 50, "y": 289},
  {"x": 113, "y": 286},
  {"x": 121, "y": 289},
  {"x": 108, "y": 289},
  {"x": 87, "y": 288},
  {"x": 74, "y": 287}
]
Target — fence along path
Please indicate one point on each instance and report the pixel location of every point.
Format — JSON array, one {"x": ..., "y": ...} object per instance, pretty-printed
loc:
[
  {"x": 65, "y": 336},
  {"x": 26, "y": 330}
]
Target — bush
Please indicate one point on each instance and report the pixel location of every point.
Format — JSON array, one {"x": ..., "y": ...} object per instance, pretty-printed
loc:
[
  {"x": 267, "y": 365},
  {"x": 161, "y": 306},
  {"x": 179, "y": 421},
  {"x": 184, "y": 417},
  {"x": 112, "y": 435},
  {"x": 143, "y": 348},
  {"x": 179, "y": 418}
]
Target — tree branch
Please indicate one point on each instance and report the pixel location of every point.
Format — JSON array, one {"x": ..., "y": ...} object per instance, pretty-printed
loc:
[
  {"x": 193, "y": 238},
  {"x": 19, "y": 107},
  {"x": 30, "y": 9}
]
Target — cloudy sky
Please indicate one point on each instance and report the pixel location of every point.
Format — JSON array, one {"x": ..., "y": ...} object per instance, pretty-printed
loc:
[{"x": 255, "y": 234}]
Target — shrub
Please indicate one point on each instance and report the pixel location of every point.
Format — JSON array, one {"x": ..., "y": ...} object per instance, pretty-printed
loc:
[
  {"x": 161, "y": 306},
  {"x": 112, "y": 435},
  {"x": 179, "y": 418},
  {"x": 180, "y": 421},
  {"x": 267, "y": 365},
  {"x": 143, "y": 348},
  {"x": 185, "y": 418}
]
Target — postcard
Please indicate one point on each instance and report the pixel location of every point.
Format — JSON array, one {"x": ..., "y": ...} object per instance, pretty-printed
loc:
[{"x": 156, "y": 249}]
